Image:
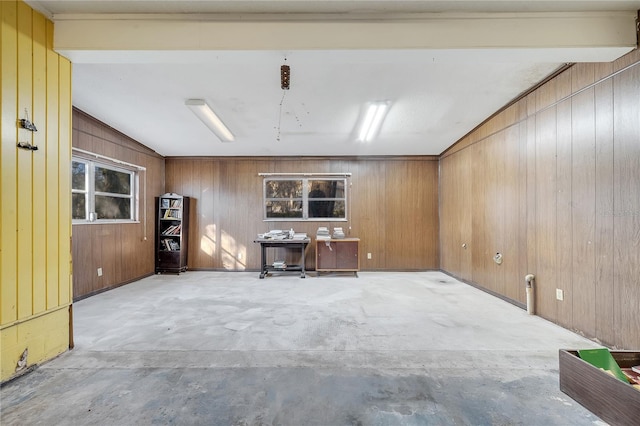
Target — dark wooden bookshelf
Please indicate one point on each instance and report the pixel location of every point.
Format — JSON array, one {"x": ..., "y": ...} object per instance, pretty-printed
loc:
[{"x": 172, "y": 231}]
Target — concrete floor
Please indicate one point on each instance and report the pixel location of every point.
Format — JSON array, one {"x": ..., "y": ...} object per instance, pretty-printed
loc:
[{"x": 216, "y": 348}]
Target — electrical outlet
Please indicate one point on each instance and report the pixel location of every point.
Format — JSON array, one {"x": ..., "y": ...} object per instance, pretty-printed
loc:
[
  {"x": 99, "y": 272},
  {"x": 559, "y": 294},
  {"x": 368, "y": 255}
]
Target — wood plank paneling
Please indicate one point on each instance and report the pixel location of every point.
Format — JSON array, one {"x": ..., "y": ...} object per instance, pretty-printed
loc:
[
  {"x": 499, "y": 215},
  {"x": 38, "y": 252},
  {"x": 523, "y": 206},
  {"x": 576, "y": 188},
  {"x": 34, "y": 190},
  {"x": 513, "y": 283},
  {"x": 229, "y": 209},
  {"x": 65, "y": 289},
  {"x": 202, "y": 250},
  {"x": 564, "y": 214},
  {"x": 626, "y": 127},
  {"x": 9, "y": 164},
  {"x": 449, "y": 205},
  {"x": 530, "y": 195},
  {"x": 367, "y": 219},
  {"x": 465, "y": 241},
  {"x": 604, "y": 232},
  {"x": 493, "y": 214},
  {"x": 546, "y": 254},
  {"x": 52, "y": 150},
  {"x": 479, "y": 248},
  {"x": 25, "y": 164},
  {"x": 455, "y": 206},
  {"x": 123, "y": 251},
  {"x": 83, "y": 253},
  {"x": 409, "y": 188},
  {"x": 583, "y": 210}
]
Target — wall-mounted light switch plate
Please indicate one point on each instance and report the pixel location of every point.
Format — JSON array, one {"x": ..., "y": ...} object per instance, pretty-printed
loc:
[
  {"x": 99, "y": 272},
  {"x": 368, "y": 255},
  {"x": 559, "y": 294}
]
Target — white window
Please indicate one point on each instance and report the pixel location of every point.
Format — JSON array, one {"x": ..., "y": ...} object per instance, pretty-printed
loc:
[
  {"x": 102, "y": 192},
  {"x": 305, "y": 198}
]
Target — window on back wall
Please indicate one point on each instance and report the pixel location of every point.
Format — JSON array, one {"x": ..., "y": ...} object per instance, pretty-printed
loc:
[
  {"x": 305, "y": 198},
  {"x": 102, "y": 192}
]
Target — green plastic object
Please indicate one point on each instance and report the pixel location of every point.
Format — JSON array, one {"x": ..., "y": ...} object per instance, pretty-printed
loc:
[{"x": 602, "y": 358}]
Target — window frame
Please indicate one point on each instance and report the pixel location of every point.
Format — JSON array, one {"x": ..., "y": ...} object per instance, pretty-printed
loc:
[
  {"x": 91, "y": 193},
  {"x": 305, "y": 197}
]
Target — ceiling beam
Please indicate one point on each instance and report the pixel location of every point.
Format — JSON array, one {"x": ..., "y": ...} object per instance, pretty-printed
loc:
[{"x": 587, "y": 36}]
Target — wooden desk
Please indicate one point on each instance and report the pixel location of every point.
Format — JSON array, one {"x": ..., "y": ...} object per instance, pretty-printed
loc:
[
  {"x": 287, "y": 244},
  {"x": 338, "y": 255}
]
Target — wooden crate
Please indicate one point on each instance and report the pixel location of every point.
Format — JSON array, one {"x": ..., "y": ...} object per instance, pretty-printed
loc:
[{"x": 607, "y": 397}]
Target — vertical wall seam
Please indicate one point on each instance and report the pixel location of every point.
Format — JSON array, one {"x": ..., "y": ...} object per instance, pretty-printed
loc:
[
  {"x": 15, "y": 172},
  {"x": 595, "y": 213},
  {"x": 559, "y": 309},
  {"x": 571, "y": 205},
  {"x": 33, "y": 195},
  {"x": 614, "y": 284},
  {"x": 58, "y": 137},
  {"x": 571, "y": 186}
]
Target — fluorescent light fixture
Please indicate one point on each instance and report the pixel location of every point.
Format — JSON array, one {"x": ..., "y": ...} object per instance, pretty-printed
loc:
[
  {"x": 210, "y": 119},
  {"x": 372, "y": 121}
]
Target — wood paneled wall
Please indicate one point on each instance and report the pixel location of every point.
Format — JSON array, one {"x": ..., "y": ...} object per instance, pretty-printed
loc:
[
  {"x": 393, "y": 205},
  {"x": 553, "y": 184},
  {"x": 35, "y": 190},
  {"x": 121, "y": 250}
]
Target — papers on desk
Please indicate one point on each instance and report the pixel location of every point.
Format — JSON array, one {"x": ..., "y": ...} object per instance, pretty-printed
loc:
[
  {"x": 274, "y": 234},
  {"x": 338, "y": 233},
  {"x": 278, "y": 234},
  {"x": 323, "y": 233}
]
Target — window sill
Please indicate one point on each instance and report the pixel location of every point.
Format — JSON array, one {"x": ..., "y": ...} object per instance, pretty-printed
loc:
[{"x": 105, "y": 222}]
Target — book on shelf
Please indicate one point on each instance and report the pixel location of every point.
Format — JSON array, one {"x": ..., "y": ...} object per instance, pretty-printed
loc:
[
  {"x": 173, "y": 230},
  {"x": 171, "y": 245},
  {"x": 176, "y": 204},
  {"x": 172, "y": 214},
  {"x": 165, "y": 203}
]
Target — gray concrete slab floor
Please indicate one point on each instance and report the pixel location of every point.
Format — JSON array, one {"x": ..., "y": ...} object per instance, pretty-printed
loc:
[{"x": 226, "y": 348}]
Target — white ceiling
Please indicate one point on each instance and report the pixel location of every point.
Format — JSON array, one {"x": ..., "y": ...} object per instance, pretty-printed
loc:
[{"x": 437, "y": 93}]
